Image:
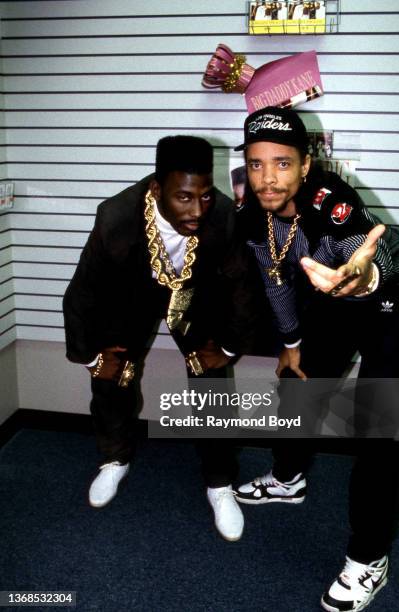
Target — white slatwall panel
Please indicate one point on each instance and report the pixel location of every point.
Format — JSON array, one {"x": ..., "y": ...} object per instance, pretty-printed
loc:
[
  {"x": 90, "y": 87},
  {"x": 7, "y": 302}
]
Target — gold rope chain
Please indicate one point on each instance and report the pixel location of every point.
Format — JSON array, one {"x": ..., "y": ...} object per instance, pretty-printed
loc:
[
  {"x": 277, "y": 259},
  {"x": 159, "y": 256}
]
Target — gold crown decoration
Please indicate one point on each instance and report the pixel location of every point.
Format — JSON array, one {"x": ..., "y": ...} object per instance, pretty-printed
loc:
[{"x": 228, "y": 71}]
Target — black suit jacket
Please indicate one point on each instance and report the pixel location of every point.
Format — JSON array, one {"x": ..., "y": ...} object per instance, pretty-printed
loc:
[{"x": 112, "y": 298}]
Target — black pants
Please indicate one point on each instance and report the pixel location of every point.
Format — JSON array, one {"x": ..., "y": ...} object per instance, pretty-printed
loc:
[
  {"x": 373, "y": 490},
  {"x": 333, "y": 330},
  {"x": 115, "y": 415},
  {"x": 218, "y": 455}
]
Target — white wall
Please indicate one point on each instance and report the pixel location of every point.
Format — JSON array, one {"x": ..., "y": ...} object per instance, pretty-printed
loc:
[
  {"x": 91, "y": 86},
  {"x": 7, "y": 304},
  {"x": 47, "y": 382},
  {"x": 8, "y": 372}
]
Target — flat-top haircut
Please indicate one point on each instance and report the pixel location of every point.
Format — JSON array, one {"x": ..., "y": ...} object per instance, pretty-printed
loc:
[{"x": 188, "y": 154}]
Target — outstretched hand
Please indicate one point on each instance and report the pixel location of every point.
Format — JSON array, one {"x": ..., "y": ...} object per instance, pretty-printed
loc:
[{"x": 351, "y": 278}]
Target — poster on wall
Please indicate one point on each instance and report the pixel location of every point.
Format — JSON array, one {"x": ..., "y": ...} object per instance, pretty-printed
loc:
[
  {"x": 345, "y": 168},
  {"x": 321, "y": 145},
  {"x": 6, "y": 196},
  {"x": 287, "y": 17},
  {"x": 285, "y": 82},
  {"x": 238, "y": 177}
]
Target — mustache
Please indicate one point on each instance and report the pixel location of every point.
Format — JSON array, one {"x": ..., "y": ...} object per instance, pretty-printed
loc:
[{"x": 265, "y": 190}]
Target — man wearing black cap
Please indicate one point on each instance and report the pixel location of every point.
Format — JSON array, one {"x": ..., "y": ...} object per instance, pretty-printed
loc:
[
  {"x": 157, "y": 250},
  {"x": 301, "y": 220}
]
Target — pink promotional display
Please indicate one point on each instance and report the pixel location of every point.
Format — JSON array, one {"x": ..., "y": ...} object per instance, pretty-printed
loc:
[{"x": 285, "y": 82}]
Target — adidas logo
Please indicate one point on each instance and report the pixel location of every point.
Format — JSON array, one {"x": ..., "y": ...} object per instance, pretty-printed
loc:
[{"x": 386, "y": 306}]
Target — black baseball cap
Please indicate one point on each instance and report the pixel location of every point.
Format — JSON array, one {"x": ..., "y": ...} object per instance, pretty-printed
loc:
[{"x": 274, "y": 124}]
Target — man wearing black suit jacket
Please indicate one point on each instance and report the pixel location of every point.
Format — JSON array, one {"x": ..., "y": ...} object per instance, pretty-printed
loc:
[{"x": 160, "y": 248}]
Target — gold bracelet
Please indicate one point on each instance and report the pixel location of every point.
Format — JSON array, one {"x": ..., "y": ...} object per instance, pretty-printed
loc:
[{"x": 98, "y": 367}]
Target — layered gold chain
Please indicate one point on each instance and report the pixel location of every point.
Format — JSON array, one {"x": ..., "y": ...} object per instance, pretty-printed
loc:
[
  {"x": 275, "y": 271},
  {"x": 160, "y": 260}
]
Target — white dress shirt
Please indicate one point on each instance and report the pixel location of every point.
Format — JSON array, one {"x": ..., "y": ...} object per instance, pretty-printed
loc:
[{"x": 175, "y": 243}]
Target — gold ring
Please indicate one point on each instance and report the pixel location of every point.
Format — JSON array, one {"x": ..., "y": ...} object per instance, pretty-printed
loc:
[
  {"x": 127, "y": 374},
  {"x": 194, "y": 364}
]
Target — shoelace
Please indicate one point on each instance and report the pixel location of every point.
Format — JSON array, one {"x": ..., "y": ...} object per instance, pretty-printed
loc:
[
  {"x": 354, "y": 571},
  {"x": 267, "y": 480},
  {"x": 223, "y": 494}
]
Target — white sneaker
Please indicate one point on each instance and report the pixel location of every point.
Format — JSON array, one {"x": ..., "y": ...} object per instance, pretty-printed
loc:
[
  {"x": 356, "y": 586},
  {"x": 105, "y": 486},
  {"x": 267, "y": 489},
  {"x": 229, "y": 519}
]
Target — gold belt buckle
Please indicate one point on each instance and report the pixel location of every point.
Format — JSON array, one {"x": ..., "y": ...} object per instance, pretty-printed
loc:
[
  {"x": 194, "y": 364},
  {"x": 127, "y": 374}
]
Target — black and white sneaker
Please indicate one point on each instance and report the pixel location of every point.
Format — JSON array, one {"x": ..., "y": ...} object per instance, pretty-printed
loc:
[
  {"x": 356, "y": 586},
  {"x": 267, "y": 489}
]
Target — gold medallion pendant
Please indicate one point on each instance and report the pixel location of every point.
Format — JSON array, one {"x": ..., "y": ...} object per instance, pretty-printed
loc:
[
  {"x": 275, "y": 274},
  {"x": 179, "y": 302}
]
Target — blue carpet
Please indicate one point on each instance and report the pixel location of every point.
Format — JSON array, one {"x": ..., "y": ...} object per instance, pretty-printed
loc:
[{"x": 154, "y": 548}]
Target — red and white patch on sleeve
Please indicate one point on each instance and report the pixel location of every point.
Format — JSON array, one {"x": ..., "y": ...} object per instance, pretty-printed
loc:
[
  {"x": 340, "y": 213},
  {"x": 320, "y": 197}
]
